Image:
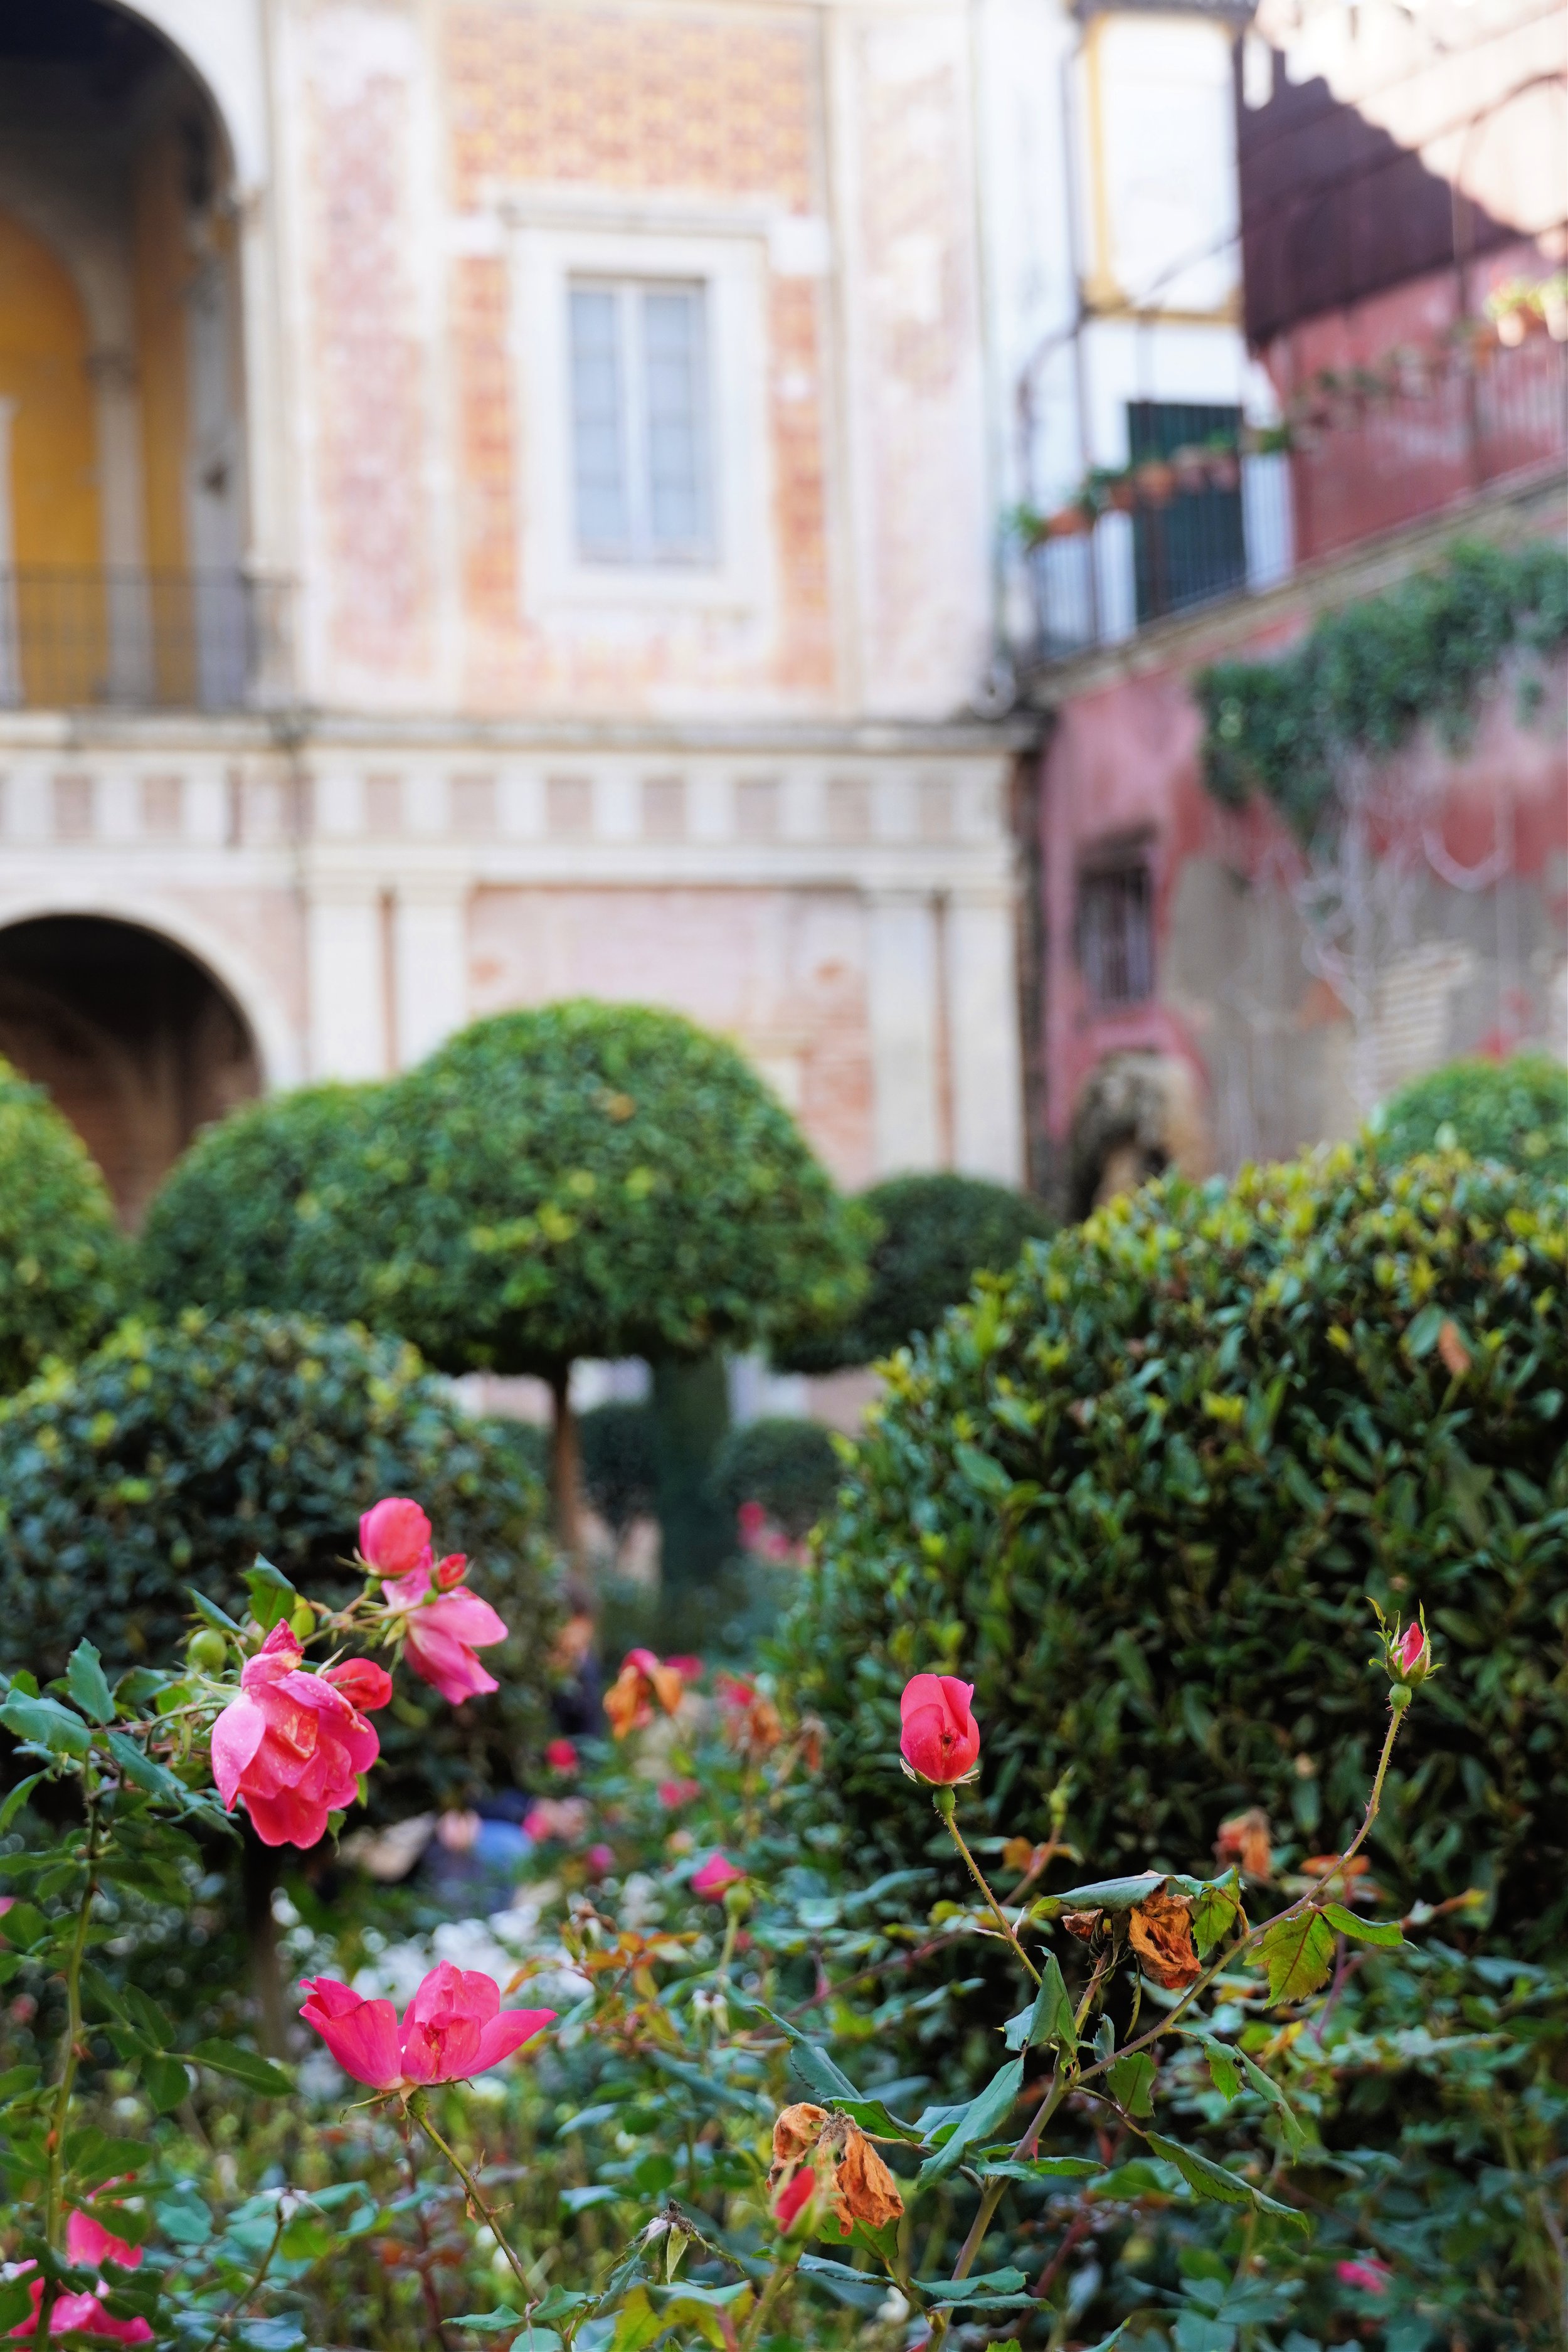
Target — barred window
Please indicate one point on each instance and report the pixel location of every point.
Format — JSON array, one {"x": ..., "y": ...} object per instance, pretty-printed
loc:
[{"x": 1116, "y": 933}]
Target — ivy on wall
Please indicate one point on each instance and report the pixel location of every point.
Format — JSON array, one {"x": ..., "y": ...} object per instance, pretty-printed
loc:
[{"x": 1364, "y": 678}]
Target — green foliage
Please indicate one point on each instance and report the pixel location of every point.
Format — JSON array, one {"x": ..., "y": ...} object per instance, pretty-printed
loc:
[
  {"x": 1515, "y": 1111},
  {"x": 223, "y": 1227},
  {"x": 620, "y": 1462},
  {"x": 582, "y": 1180},
  {"x": 933, "y": 1235},
  {"x": 1139, "y": 1493},
  {"x": 691, "y": 1419},
  {"x": 62, "y": 1261},
  {"x": 790, "y": 1466},
  {"x": 171, "y": 1457},
  {"x": 1367, "y": 675}
]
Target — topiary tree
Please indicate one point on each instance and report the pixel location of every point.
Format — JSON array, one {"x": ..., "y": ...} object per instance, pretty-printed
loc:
[
  {"x": 620, "y": 1463},
  {"x": 224, "y": 1230},
  {"x": 933, "y": 1235},
  {"x": 1140, "y": 1490},
  {"x": 580, "y": 1179},
  {"x": 789, "y": 1465},
  {"x": 63, "y": 1263},
  {"x": 1516, "y": 1111},
  {"x": 172, "y": 1456}
]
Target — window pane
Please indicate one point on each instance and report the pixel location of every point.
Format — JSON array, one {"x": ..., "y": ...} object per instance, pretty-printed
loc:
[
  {"x": 674, "y": 363},
  {"x": 597, "y": 436}
]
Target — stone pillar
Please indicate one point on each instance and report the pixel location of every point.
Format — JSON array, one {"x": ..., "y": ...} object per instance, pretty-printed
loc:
[
  {"x": 984, "y": 1049},
  {"x": 430, "y": 966},
  {"x": 906, "y": 1106},
  {"x": 127, "y": 617},
  {"x": 348, "y": 982}
]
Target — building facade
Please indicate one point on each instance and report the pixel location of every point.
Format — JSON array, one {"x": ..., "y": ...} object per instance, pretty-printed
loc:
[{"x": 498, "y": 502}]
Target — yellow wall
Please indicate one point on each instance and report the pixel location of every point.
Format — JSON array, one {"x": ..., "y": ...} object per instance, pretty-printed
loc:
[
  {"x": 161, "y": 267},
  {"x": 43, "y": 367}
]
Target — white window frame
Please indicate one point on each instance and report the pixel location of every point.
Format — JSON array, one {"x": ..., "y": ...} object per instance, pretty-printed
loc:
[
  {"x": 640, "y": 548},
  {"x": 549, "y": 251}
]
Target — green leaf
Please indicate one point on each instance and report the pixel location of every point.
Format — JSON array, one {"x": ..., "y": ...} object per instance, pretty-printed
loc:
[
  {"x": 47, "y": 1724},
  {"x": 150, "y": 2017},
  {"x": 1224, "y": 2070},
  {"x": 810, "y": 2061},
  {"x": 1104, "y": 1895},
  {"x": 1131, "y": 2081},
  {"x": 502, "y": 2322},
  {"x": 1267, "y": 2088},
  {"x": 15, "y": 2303},
  {"x": 982, "y": 2117},
  {"x": 16, "y": 1799},
  {"x": 983, "y": 1471},
  {"x": 1041, "y": 2168},
  {"x": 271, "y": 1595},
  {"x": 1215, "y": 1903},
  {"x": 144, "y": 1771},
  {"x": 991, "y": 2286},
  {"x": 861, "y": 2290},
  {"x": 1206, "y": 2179},
  {"x": 88, "y": 1684},
  {"x": 1298, "y": 1954},
  {"x": 166, "y": 2082},
  {"x": 211, "y": 1614},
  {"x": 1386, "y": 1933},
  {"x": 245, "y": 2067},
  {"x": 873, "y": 2117},
  {"x": 1049, "y": 2020}
]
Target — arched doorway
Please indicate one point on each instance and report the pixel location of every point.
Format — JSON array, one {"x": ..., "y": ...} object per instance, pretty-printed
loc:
[
  {"x": 137, "y": 1044},
  {"x": 121, "y": 461}
]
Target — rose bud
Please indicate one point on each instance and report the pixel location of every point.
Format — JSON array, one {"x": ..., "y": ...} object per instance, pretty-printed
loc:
[
  {"x": 940, "y": 1740},
  {"x": 716, "y": 1877}
]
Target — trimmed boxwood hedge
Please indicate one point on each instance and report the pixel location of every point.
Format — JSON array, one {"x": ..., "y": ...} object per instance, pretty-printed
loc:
[
  {"x": 62, "y": 1258},
  {"x": 172, "y": 1456},
  {"x": 1515, "y": 1110},
  {"x": 1140, "y": 1491}
]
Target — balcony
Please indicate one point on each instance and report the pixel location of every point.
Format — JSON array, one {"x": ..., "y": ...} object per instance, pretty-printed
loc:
[
  {"x": 1362, "y": 456},
  {"x": 141, "y": 640}
]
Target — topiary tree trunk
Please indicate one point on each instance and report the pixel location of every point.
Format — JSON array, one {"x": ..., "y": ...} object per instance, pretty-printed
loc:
[
  {"x": 566, "y": 1466},
  {"x": 691, "y": 1411}
]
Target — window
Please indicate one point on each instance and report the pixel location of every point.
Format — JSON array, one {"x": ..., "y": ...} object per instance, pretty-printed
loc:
[
  {"x": 1115, "y": 934},
  {"x": 1192, "y": 547},
  {"x": 641, "y": 460}
]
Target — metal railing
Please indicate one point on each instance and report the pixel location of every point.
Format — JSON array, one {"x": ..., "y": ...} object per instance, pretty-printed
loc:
[
  {"x": 1360, "y": 462},
  {"x": 140, "y": 639}
]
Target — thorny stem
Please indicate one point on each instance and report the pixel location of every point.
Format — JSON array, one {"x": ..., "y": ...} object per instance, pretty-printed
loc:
[
  {"x": 247, "y": 2294},
  {"x": 71, "y": 2057},
  {"x": 476, "y": 2195},
  {"x": 432, "y": 2296},
  {"x": 945, "y": 1805},
  {"x": 778, "y": 2280}
]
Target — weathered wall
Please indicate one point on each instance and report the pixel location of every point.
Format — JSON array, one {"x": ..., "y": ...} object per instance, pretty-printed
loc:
[{"x": 1466, "y": 911}]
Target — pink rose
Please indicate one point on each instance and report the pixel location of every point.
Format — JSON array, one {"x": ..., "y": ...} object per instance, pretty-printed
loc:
[
  {"x": 1369, "y": 2274},
  {"x": 446, "y": 1626},
  {"x": 601, "y": 1859},
  {"x": 89, "y": 2243},
  {"x": 941, "y": 1741},
  {"x": 1411, "y": 1656},
  {"x": 361, "y": 1682},
  {"x": 453, "y": 2028},
  {"x": 395, "y": 1535},
  {"x": 673, "y": 1794},
  {"x": 715, "y": 1878},
  {"x": 291, "y": 1745},
  {"x": 561, "y": 1756},
  {"x": 690, "y": 1669}
]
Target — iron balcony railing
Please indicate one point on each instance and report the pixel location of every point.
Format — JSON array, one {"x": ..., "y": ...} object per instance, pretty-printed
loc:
[
  {"x": 140, "y": 639},
  {"x": 1362, "y": 459}
]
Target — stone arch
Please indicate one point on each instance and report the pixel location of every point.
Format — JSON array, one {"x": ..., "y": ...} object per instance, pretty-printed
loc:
[
  {"x": 1139, "y": 1114},
  {"x": 142, "y": 1030}
]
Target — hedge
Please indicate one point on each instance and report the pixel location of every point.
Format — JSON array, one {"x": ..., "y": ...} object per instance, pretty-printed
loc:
[
  {"x": 1140, "y": 1491},
  {"x": 790, "y": 1466},
  {"x": 172, "y": 1456},
  {"x": 932, "y": 1234},
  {"x": 1515, "y": 1111},
  {"x": 62, "y": 1258}
]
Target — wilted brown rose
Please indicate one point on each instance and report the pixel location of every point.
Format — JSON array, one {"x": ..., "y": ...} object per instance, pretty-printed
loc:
[
  {"x": 1162, "y": 1935},
  {"x": 796, "y": 2133},
  {"x": 1081, "y": 1924},
  {"x": 866, "y": 2190},
  {"x": 1245, "y": 1840}
]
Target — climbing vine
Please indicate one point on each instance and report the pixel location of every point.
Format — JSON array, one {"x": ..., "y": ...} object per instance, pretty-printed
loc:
[{"x": 1364, "y": 678}]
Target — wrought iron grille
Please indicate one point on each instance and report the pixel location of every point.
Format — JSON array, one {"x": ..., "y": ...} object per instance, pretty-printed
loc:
[{"x": 138, "y": 639}]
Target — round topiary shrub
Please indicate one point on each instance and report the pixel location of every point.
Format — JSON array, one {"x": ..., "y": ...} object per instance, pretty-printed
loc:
[
  {"x": 225, "y": 1225},
  {"x": 62, "y": 1259},
  {"x": 933, "y": 1235},
  {"x": 1515, "y": 1111},
  {"x": 171, "y": 1457},
  {"x": 790, "y": 1466},
  {"x": 1140, "y": 1491}
]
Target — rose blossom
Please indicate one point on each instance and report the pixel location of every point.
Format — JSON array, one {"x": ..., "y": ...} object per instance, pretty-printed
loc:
[
  {"x": 293, "y": 1744},
  {"x": 89, "y": 2243},
  {"x": 561, "y": 1756},
  {"x": 716, "y": 1877},
  {"x": 1411, "y": 1656},
  {"x": 1369, "y": 2274},
  {"x": 395, "y": 1535},
  {"x": 454, "y": 2027},
  {"x": 446, "y": 1626},
  {"x": 643, "y": 1678},
  {"x": 941, "y": 1741}
]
